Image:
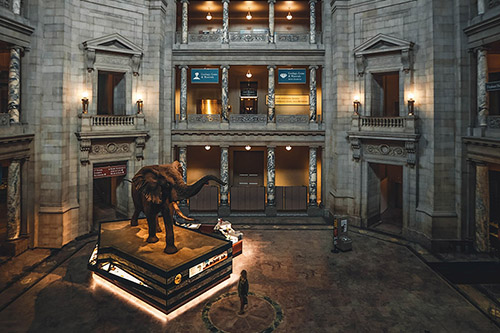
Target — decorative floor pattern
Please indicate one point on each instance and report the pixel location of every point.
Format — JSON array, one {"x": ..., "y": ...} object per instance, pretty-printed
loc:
[{"x": 262, "y": 314}]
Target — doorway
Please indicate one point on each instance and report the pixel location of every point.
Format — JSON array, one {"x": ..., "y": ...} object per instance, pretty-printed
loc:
[
  {"x": 385, "y": 198},
  {"x": 110, "y": 194},
  {"x": 4, "y": 169},
  {"x": 247, "y": 190}
]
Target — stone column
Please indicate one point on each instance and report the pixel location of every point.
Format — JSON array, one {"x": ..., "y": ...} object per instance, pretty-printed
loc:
[
  {"x": 312, "y": 94},
  {"x": 14, "y": 200},
  {"x": 225, "y": 93},
  {"x": 313, "y": 177},
  {"x": 14, "y": 84},
  {"x": 183, "y": 106},
  {"x": 482, "y": 209},
  {"x": 482, "y": 96},
  {"x": 312, "y": 21},
  {"x": 271, "y": 171},
  {"x": 224, "y": 176},
  {"x": 271, "y": 117},
  {"x": 184, "y": 24},
  {"x": 225, "y": 21},
  {"x": 271, "y": 20},
  {"x": 16, "y": 7},
  {"x": 480, "y": 7},
  {"x": 183, "y": 162}
]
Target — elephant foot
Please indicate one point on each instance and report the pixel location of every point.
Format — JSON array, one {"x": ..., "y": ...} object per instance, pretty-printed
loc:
[
  {"x": 152, "y": 239},
  {"x": 170, "y": 249}
]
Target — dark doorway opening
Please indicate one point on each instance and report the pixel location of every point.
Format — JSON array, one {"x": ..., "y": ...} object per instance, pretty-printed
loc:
[
  {"x": 385, "y": 197},
  {"x": 247, "y": 190},
  {"x": 110, "y": 194}
]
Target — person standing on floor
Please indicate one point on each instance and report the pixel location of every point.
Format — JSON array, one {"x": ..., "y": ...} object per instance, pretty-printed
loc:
[{"x": 243, "y": 291}]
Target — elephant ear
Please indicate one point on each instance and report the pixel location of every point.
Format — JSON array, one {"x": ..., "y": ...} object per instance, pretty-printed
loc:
[{"x": 147, "y": 182}]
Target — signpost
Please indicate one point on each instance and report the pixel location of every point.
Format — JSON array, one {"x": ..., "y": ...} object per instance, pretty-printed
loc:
[
  {"x": 110, "y": 171},
  {"x": 204, "y": 75},
  {"x": 291, "y": 75}
]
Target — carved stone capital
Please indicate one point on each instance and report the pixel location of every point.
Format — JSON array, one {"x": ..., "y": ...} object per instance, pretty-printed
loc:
[
  {"x": 140, "y": 143},
  {"x": 360, "y": 64},
  {"x": 135, "y": 63},
  {"x": 411, "y": 155}
]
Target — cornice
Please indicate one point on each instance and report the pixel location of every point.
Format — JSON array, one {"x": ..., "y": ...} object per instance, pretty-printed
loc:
[{"x": 111, "y": 135}]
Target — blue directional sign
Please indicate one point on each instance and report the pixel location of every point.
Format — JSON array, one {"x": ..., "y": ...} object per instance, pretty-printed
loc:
[
  {"x": 291, "y": 75},
  {"x": 204, "y": 75}
]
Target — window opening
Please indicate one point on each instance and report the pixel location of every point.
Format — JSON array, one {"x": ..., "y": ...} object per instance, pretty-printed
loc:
[
  {"x": 111, "y": 94},
  {"x": 385, "y": 95}
]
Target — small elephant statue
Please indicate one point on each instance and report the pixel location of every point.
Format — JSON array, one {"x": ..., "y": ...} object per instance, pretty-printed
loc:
[{"x": 157, "y": 188}]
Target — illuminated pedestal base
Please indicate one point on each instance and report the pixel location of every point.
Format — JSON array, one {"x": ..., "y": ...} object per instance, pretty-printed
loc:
[{"x": 166, "y": 281}]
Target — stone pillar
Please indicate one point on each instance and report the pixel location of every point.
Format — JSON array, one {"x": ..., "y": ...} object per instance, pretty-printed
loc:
[
  {"x": 225, "y": 21},
  {"x": 184, "y": 24},
  {"x": 271, "y": 189},
  {"x": 312, "y": 21},
  {"x": 224, "y": 176},
  {"x": 183, "y": 106},
  {"x": 482, "y": 208},
  {"x": 271, "y": 117},
  {"x": 271, "y": 20},
  {"x": 183, "y": 162},
  {"x": 225, "y": 93},
  {"x": 480, "y": 7},
  {"x": 16, "y": 7},
  {"x": 14, "y": 84},
  {"x": 14, "y": 200},
  {"x": 482, "y": 96},
  {"x": 313, "y": 177},
  {"x": 312, "y": 94}
]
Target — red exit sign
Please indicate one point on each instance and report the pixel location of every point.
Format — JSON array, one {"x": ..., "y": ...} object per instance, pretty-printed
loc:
[{"x": 110, "y": 171}]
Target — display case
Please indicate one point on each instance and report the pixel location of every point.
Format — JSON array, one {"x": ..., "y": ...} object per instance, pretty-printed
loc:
[{"x": 166, "y": 281}]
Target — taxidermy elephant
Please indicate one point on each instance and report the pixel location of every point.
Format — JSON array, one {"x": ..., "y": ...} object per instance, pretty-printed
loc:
[{"x": 156, "y": 188}]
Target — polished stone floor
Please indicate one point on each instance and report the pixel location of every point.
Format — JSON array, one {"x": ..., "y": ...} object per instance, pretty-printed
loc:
[{"x": 379, "y": 286}]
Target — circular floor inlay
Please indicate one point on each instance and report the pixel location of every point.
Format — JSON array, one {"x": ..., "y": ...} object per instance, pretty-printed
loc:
[{"x": 262, "y": 314}]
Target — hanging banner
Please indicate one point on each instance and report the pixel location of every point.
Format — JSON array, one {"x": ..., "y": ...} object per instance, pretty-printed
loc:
[
  {"x": 110, "y": 171},
  {"x": 291, "y": 75},
  {"x": 204, "y": 75}
]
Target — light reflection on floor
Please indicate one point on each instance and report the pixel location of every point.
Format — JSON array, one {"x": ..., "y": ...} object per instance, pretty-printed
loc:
[{"x": 99, "y": 282}]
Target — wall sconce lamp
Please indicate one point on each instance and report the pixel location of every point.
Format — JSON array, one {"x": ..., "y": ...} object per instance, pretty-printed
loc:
[
  {"x": 356, "y": 104},
  {"x": 248, "y": 74},
  {"x": 289, "y": 16},
  {"x": 411, "y": 104},
  {"x": 85, "y": 103},
  {"x": 140, "y": 104},
  {"x": 248, "y": 147},
  {"x": 249, "y": 15},
  {"x": 209, "y": 16}
]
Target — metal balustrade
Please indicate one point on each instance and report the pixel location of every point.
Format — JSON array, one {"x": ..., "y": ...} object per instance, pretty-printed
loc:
[{"x": 249, "y": 37}]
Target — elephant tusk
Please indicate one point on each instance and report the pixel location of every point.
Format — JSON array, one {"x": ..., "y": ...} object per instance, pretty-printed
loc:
[{"x": 179, "y": 212}]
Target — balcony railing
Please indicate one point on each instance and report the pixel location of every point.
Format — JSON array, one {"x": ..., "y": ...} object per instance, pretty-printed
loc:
[
  {"x": 292, "y": 119},
  {"x": 108, "y": 121},
  {"x": 203, "y": 118},
  {"x": 103, "y": 123},
  {"x": 383, "y": 122},
  {"x": 403, "y": 125},
  {"x": 249, "y": 37},
  {"x": 248, "y": 118}
]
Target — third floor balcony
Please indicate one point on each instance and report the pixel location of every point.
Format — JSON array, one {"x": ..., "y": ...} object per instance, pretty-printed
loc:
[{"x": 249, "y": 24}]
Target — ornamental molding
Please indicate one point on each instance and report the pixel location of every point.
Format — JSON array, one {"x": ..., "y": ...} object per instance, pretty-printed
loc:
[
  {"x": 383, "y": 44},
  {"x": 386, "y": 150},
  {"x": 113, "y": 44},
  {"x": 110, "y": 148}
]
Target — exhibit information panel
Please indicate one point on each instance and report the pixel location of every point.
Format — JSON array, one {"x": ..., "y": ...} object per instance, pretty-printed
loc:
[{"x": 165, "y": 281}]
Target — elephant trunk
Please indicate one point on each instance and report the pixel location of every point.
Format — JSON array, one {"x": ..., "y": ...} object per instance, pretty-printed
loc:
[{"x": 187, "y": 191}]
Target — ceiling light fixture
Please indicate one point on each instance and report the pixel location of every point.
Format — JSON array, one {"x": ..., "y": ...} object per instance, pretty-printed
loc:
[
  {"x": 207, "y": 147},
  {"x": 248, "y": 74},
  {"x": 247, "y": 147},
  {"x": 289, "y": 15},
  {"x": 249, "y": 15},
  {"x": 209, "y": 16},
  {"x": 288, "y": 147}
]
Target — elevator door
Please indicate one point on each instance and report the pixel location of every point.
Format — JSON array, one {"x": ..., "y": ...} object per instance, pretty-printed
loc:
[{"x": 247, "y": 190}]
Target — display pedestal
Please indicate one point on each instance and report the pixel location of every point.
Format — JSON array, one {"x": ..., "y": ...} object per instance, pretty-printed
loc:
[{"x": 166, "y": 281}]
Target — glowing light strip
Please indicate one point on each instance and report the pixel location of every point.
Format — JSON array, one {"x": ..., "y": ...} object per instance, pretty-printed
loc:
[{"x": 140, "y": 304}]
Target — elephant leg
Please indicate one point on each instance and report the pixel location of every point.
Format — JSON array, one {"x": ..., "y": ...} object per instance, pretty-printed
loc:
[
  {"x": 169, "y": 229},
  {"x": 158, "y": 225},
  {"x": 133, "y": 221},
  {"x": 152, "y": 221}
]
